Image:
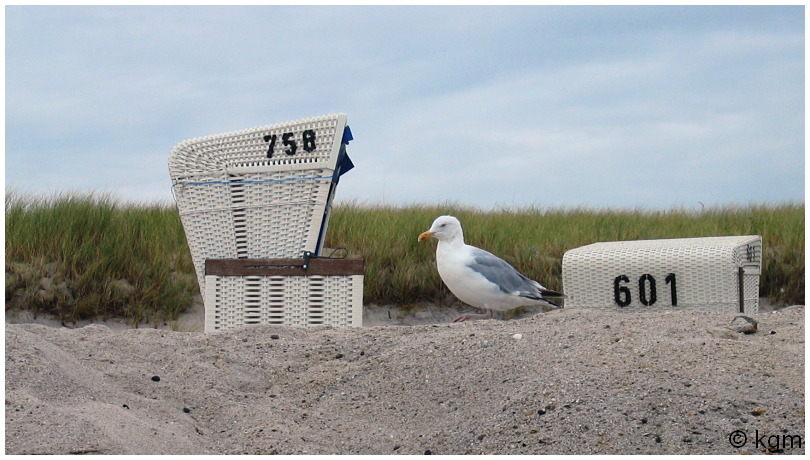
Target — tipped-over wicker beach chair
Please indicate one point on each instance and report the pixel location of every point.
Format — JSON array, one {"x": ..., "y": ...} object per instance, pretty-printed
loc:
[{"x": 708, "y": 273}]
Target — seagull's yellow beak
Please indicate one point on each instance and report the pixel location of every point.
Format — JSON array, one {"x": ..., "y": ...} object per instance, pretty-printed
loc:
[{"x": 425, "y": 235}]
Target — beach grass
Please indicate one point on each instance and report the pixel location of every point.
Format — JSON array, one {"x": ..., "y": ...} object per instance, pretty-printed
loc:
[
  {"x": 87, "y": 256},
  {"x": 84, "y": 256},
  {"x": 401, "y": 270}
]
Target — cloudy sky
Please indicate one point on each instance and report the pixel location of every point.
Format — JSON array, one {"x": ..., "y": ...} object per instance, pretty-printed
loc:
[{"x": 482, "y": 106}]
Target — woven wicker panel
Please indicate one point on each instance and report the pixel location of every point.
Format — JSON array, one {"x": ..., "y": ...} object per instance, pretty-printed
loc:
[
  {"x": 247, "y": 150},
  {"x": 649, "y": 275},
  {"x": 239, "y": 200},
  {"x": 234, "y": 301}
]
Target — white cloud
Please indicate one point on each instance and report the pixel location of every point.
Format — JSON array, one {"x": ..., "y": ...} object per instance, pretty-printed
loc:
[{"x": 483, "y": 106}]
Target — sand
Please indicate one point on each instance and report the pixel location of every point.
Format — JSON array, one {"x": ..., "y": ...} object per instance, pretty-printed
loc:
[{"x": 567, "y": 381}]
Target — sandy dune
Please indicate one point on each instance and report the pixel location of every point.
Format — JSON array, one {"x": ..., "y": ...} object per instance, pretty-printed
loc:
[{"x": 568, "y": 381}]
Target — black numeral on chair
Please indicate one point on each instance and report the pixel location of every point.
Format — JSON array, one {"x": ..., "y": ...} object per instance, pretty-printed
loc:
[{"x": 647, "y": 291}]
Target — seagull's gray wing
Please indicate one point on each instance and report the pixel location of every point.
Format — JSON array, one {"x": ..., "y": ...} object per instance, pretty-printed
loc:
[{"x": 509, "y": 280}]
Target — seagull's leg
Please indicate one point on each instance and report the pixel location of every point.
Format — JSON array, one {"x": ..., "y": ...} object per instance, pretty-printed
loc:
[{"x": 469, "y": 316}]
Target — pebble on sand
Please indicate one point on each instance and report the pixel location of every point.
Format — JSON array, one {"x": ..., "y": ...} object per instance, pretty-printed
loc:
[{"x": 744, "y": 324}]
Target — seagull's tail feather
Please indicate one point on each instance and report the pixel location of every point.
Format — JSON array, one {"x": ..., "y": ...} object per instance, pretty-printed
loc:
[
  {"x": 545, "y": 295},
  {"x": 549, "y": 293},
  {"x": 555, "y": 304}
]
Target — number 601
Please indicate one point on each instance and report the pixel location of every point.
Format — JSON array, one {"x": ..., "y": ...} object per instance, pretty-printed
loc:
[{"x": 647, "y": 292}]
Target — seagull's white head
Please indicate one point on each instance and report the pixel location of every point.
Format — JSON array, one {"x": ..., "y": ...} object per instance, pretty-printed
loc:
[{"x": 444, "y": 228}]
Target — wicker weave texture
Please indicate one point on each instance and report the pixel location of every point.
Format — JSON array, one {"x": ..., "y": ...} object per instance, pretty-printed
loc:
[
  {"x": 654, "y": 275},
  {"x": 247, "y": 150},
  {"x": 237, "y": 199},
  {"x": 234, "y": 301}
]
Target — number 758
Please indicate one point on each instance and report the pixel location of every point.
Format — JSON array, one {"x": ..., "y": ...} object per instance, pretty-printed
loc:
[{"x": 289, "y": 142}]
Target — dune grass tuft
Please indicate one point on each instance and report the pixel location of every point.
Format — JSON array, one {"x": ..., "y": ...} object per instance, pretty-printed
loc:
[{"x": 86, "y": 256}]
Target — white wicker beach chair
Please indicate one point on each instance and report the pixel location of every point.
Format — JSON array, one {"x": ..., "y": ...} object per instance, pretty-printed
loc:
[
  {"x": 260, "y": 193},
  {"x": 710, "y": 274}
]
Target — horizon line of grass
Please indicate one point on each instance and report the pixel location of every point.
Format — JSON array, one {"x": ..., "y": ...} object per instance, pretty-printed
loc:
[{"x": 81, "y": 256}]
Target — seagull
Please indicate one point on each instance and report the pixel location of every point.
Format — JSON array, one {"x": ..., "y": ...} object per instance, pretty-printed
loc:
[{"x": 480, "y": 278}]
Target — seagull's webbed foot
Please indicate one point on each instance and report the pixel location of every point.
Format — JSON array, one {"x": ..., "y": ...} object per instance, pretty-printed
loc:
[{"x": 469, "y": 316}]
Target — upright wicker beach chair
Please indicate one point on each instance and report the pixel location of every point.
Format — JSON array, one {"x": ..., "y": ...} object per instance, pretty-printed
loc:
[{"x": 261, "y": 193}]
